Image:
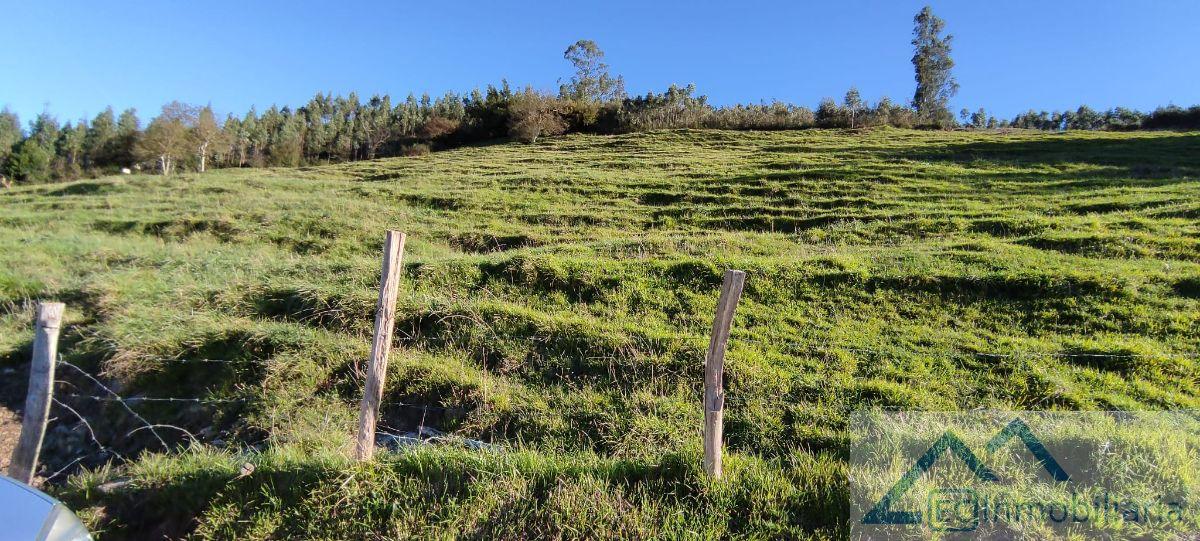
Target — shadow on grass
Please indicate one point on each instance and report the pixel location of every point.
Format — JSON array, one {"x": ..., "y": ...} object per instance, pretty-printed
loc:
[
  {"x": 1143, "y": 158},
  {"x": 435, "y": 492}
]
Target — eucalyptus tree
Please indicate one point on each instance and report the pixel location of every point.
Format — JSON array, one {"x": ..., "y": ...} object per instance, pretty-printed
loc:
[
  {"x": 933, "y": 65},
  {"x": 855, "y": 107},
  {"x": 591, "y": 82}
]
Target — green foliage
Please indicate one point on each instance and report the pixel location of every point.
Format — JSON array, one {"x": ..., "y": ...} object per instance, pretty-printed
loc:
[
  {"x": 30, "y": 162},
  {"x": 932, "y": 62},
  {"x": 856, "y": 113},
  {"x": 124, "y": 143},
  {"x": 1173, "y": 117},
  {"x": 591, "y": 82},
  {"x": 32, "y": 158},
  {"x": 167, "y": 140},
  {"x": 206, "y": 136},
  {"x": 1117, "y": 119},
  {"x": 99, "y": 144},
  {"x": 532, "y": 115},
  {"x": 10, "y": 133}
]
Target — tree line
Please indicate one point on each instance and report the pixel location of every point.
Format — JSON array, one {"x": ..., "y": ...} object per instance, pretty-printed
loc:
[{"x": 341, "y": 128}]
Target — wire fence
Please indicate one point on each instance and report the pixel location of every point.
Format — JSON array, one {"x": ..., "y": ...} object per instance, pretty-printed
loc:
[
  {"x": 431, "y": 413},
  {"x": 829, "y": 348},
  {"x": 65, "y": 401}
]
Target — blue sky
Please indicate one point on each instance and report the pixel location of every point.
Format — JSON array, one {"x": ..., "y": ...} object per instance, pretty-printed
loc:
[{"x": 73, "y": 58}]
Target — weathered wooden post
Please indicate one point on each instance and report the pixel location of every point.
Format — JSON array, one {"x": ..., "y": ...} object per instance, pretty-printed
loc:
[
  {"x": 714, "y": 370},
  {"x": 37, "y": 398},
  {"x": 381, "y": 345}
]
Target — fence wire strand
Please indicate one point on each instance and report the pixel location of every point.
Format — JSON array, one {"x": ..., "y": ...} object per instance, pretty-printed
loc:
[
  {"x": 136, "y": 399},
  {"x": 835, "y": 348},
  {"x": 118, "y": 400},
  {"x": 787, "y": 346}
]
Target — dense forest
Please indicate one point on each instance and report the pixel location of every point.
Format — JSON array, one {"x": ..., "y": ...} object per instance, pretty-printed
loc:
[{"x": 343, "y": 128}]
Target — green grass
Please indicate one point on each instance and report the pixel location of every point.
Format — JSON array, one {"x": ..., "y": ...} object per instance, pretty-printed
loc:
[{"x": 557, "y": 299}]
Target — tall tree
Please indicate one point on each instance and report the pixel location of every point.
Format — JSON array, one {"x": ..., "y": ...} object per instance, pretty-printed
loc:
[
  {"x": 591, "y": 82},
  {"x": 125, "y": 142},
  {"x": 98, "y": 145},
  {"x": 287, "y": 143},
  {"x": 31, "y": 158},
  {"x": 979, "y": 119},
  {"x": 10, "y": 134},
  {"x": 250, "y": 139},
  {"x": 69, "y": 148},
  {"x": 206, "y": 135},
  {"x": 29, "y": 162},
  {"x": 167, "y": 139},
  {"x": 375, "y": 124},
  {"x": 232, "y": 152},
  {"x": 855, "y": 107},
  {"x": 44, "y": 130},
  {"x": 931, "y": 59},
  {"x": 317, "y": 115}
]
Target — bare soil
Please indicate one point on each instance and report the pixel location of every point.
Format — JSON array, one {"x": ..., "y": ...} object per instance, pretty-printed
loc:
[{"x": 12, "y": 389}]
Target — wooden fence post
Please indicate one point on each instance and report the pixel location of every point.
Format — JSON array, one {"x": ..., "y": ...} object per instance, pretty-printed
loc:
[
  {"x": 37, "y": 398},
  {"x": 714, "y": 370},
  {"x": 381, "y": 345}
]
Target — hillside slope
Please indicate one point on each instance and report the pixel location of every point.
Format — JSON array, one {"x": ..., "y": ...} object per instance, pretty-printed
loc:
[{"x": 556, "y": 303}]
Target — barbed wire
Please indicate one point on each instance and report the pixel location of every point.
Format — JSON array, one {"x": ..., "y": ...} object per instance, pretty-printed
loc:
[
  {"x": 90, "y": 430},
  {"x": 176, "y": 360},
  {"x": 571, "y": 424},
  {"x": 184, "y": 360},
  {"x": 118, "y": 397},
  {"x": 835, "y": 348},
  {"x": 112, "y": 396},
  {"x": 424, "y": 407},
  {"x": 136, "y": 399}
]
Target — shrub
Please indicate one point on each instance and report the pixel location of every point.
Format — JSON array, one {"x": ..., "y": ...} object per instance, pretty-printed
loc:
[
  {"x": 775, "y": 116},
  {"x": 416, "y": 149},
  {"x": 532, "y": 115},
  {"x": 438, "y": 126},
  {"x": 831, "y": 115},
  {"x": 678, "y": 107},
  {"x": 1173, "y": 117}
]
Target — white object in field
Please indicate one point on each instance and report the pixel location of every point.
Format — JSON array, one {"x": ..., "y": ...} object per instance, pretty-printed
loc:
[
  {"x": 126, "y": 171},
  {"x": 27, "y": 514}
]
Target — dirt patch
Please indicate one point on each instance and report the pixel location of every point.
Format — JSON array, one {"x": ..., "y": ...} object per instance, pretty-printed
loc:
[
  {"x": 10, "y": 414},
  {"x": 10, "y": 430}
]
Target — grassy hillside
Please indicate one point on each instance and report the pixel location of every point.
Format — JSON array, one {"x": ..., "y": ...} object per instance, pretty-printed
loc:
[{"x": 557, "y": 300}]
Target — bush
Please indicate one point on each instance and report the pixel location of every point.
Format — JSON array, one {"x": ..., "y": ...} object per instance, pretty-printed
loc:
[
  {"x": 437, "y": 127},
  {"x": 532, "y": 115},
  {"x": 30, "y": 162},
  {"x": 831, "y": 115},
  {"x": 416, "y": 149},
  {"x": 776, "y": 116},
  {"x": 1173, "y": 117},
  {"x": 581, "y": 115},
  {"x": 678, "y": 107}
]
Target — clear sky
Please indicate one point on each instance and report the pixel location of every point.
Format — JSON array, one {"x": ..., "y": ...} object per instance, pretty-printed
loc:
[{"x": 75, "y": 57}]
